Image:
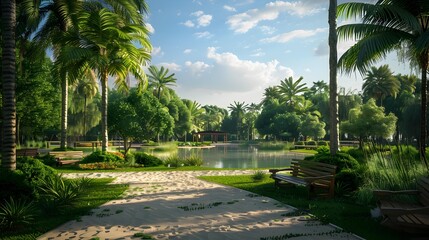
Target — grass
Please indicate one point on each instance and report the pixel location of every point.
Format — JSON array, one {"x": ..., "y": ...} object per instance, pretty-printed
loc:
[
  {"x": 308, "y": 151},
  {"x": 72, "y": 169},
  {"x": 94, "y": 195},
  {"x": 341, "y": 212}
]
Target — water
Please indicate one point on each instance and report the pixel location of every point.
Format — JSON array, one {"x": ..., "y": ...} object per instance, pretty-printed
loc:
[{"x": 236, "y": 156}]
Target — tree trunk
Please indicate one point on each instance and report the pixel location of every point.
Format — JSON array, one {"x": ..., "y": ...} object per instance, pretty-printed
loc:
[
  {"x": 423, "y": 124},
  {"x": 333, "y": 96},
  {"x": 8, "y": 20},
  {"x": 64, "y": 108},
  {"x": 104, "y": 102},
  {"x": 84, "y": 120}
]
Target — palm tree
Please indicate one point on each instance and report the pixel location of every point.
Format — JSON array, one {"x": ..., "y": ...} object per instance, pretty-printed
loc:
[
  {"x": 87, "y": 87},
  {"x": 289, "y": 90},
  {"x": 105, "y": 43},
  {"x": 238, "y": 110},
  {"x": 380, "y": 83},
  {"x": 8, "y": 21},
  {"x": 270, "y": 94},
  {"x": 159, "y": 80},
  {"x": 387, "y": 26},
  {"x": 333, "y": 95}
]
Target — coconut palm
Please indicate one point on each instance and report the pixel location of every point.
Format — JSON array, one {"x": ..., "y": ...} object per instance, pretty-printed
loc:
[
  {"x": 270, "y": 94},
  {"x": 289, "y": 89},
  {"x": 87, "y": 88},
  {"x": 387, "y": 26},
  {"x": 238, "y": 111},
  {"x": 380, "y": 83},
  {"x": 105, "y": 43},
  {"x": 333, "y": 84},
  {"x": 8, "y": 20},
  {"x": 159, "y": 80}
]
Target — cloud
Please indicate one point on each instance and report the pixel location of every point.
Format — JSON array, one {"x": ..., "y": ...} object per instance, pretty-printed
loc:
[
  {"x": 156, "y": 51},
  {"x": 187, "y": 51},
  {"x": 202, "y": 20},
  {"x": 227, "y": 72},
  {"x": 243, "y": 22},
  {"x": 286, "y": 37},
  {"x": 229, "y": 8},
  {"x": 258, "y": 53},
  {"x": 150, "y": 28},
  {"x": 172, "y": 67},
  {"x": 267, "y": 29},
  {"x": 342, "y": 46},
  {"x": 205, "y": 34}
]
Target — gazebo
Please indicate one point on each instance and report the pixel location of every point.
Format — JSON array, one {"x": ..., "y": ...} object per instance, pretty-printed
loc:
[{"x": 214, "y": 136}]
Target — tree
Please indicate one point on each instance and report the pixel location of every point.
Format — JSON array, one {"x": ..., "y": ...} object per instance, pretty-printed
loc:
[
  {"x": 159, "y": 80},
  {"x": 270, "y": 94},
  {"x": 369, "y": 120},
  {"x": 289, "y": 90},
  {"x": 380, "y": 83},
  {"x": 387, "y": 26},
  {"x": 8, "y": 24},
  {"x": 238, "y": 110},
  {"x": 87, "y": 88},
  {"x": 196, "y": 112},
  {"x": 312, "y": 127},
  {"x": 334, "y": 140},
  {"x": 106, "y": 43},
  {"x": 286, "y": 126}
]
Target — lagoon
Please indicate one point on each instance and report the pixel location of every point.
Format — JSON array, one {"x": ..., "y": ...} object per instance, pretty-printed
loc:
[{"x": 237, "y": 156}]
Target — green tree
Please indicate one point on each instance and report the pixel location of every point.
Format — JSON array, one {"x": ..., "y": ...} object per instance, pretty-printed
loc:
[
  {"x": 380, "y": 83},
  {"x": 8, "y": 23},
  {"x": 286, "y": 126},
  {"x": 289, "y": 90},
  {"x": 369, "y": 120},
  {"x": 86, "y": 88},
  {"x": 270, "y": 94},
  {"x": 159, "y": 80},
  {"x": 196, "y": 112},
  {"x": 106, "y": 43},
  {"x": 387, "y": 26},
  {"x": 238, "y": 111},
  {"x": 312, "y": 127}
]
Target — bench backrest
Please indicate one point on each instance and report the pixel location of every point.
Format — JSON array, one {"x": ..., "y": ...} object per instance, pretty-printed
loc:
[
  {"x": 423, "y": 187},
  {"x": 30, "y": 152},
  {"x": 304, "y": 168}
]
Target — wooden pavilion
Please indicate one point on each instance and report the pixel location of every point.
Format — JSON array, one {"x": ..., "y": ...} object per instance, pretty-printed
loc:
[{"x": 214, "y": 136}]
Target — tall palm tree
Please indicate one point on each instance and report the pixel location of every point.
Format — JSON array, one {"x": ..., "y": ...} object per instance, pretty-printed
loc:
[
  {"x": 8, "y": 22},
  {"x": 238, "y": 111},
  {"x": 380, "y": 83},
  {"x": 105, "y": 43},
  {"x": 387, "y": 26},
  {"x": 333, "y": 84},
  {"x": 270, "y": 94},
  {"x": 87, "y": 88},
  {"x": 289, "y": 89},
  {"x": 159, "y": 80}
]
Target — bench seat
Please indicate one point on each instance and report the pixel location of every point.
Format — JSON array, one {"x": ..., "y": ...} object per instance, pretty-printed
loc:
[{"x": 67, "y": 157}]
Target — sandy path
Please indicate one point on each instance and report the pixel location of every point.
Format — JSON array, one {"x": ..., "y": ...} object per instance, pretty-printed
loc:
[{"x": 176, "y": 205}]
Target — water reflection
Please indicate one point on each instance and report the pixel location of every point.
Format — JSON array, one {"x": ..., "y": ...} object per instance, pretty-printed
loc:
[{"x": 236, "y": 156}]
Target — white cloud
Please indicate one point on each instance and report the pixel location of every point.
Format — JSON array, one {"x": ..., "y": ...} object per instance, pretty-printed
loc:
[
  {"x": 257, "y": 53},
  {"x": 243, "y": 22},
  {"x": 267, "y": 29},
  {"x": 286, "y": 37},
  {"x": 197, "y": 13},
  {"x": 204, "y": 20},
  {"x": 156, "y": 51},
  {"x": 172, "y": 67},
  {"x": 189, "y": 23},
  {"x": 203, "y": 35},
  {"x": 150, "y": 28},
  {"x": 187, "y": 51},
  {"x": 229, "y": 8},
  {"x": 196, "y": 68}
]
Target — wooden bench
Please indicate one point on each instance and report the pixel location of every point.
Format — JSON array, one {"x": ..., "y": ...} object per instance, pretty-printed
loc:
[
  {"x": 409, "y": 217},
  {"x": 27, "y": 152},
  {"x": 313, "y": 175},
  {"x": 67, "y": 157}
]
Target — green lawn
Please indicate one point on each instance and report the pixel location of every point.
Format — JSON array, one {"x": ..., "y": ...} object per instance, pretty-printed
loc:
[
  {"x": 340, "y": 211},
  {"x": 93, "y": 196}
]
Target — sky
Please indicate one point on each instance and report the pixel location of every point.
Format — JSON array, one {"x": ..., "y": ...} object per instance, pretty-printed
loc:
[{"x": 224, "y": 51}]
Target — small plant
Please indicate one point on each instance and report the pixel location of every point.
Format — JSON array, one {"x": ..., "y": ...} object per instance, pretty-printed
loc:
[
  {"x": 173, "y": 161},
  {"x": 98, "y": 166},
  {"x": 99, "y": 156},
  {"x": 16, "y": 213},
  {"x": 258, "y": 175},
  {"x": 193, "y": 160},
  {"x": 142, "y": 236}
]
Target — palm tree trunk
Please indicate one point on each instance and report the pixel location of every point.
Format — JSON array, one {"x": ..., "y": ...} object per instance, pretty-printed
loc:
[
  {"x": 84, "y": 120},
  {"x": 64, "y": 108},
  {"x": 8, "y": 20},
  {"x": 423, "y": 121},
  {"x": 333, "y": 96},
  {"x": 104, "y": 134}
]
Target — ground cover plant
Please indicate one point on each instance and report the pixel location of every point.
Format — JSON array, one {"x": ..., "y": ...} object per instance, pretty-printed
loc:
[{"x": 342, "y": 212}]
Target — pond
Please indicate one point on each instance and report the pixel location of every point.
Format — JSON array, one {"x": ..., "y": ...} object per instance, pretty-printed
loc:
[{"x": 237, "y": 156}]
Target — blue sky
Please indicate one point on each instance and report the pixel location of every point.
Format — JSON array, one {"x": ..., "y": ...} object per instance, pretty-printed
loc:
[{"x": 225, "y": 51}]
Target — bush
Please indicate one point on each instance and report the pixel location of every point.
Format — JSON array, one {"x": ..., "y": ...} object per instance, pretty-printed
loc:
[
  {"x": 192, "y": 160},
  {"x": 406, "y": 152},
  {"x": 311, "y": 143},
  {"x": 147, "y": 160},
  {"x": 173, "y": 161},
  {"x": 301, "y": 143},
  {"x": 48, "y": 160},
  {"x": 34, "y": 171},
  {"x": 357, "y": 154},
  {"x": 322, "y": 143},
  {"x": 13, "y": 184},
  {"x": 258, "y": 176},
  {"x": 16, "y": 213},
  {"x": 98, "y": 166},
  {"x": 99, "y": 156}
]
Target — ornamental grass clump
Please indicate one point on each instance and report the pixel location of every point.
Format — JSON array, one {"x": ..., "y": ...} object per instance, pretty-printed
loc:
[
  {"x": 192, "y": 160},
  {"x": 16, "y": 214},
  {"x": 258, "y": 176}
]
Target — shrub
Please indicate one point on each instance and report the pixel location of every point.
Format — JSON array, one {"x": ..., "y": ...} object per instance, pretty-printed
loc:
[
  {"x": 322, "y": 143},
  {"x": 99, "y": 156},
  {"x": 273, "y": 146},
  {"x": 173, "y": 161},
  {"x": 34, "y": 170},
  {"x": 311, "y": 143},
  {"x": 193, "y": 160},
  {"x": 13, "y": 184},
  {"x": 357, "y": 154},
  {"x": 16, "y": 213},
  {"x": 406, "y": 152},
  {"x": 98, "y": 166},
  {"x": 258, "y": 175},
  {"x": 147, "y": 160},
  {"x": 48, "y": 160},
  {"x": 301, "y": 143}
]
